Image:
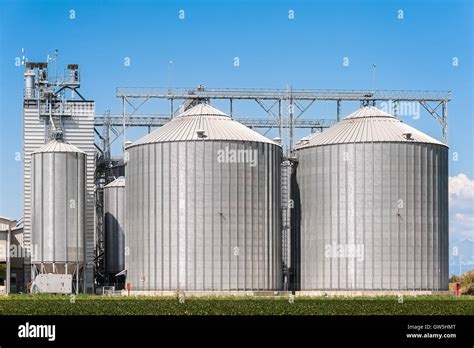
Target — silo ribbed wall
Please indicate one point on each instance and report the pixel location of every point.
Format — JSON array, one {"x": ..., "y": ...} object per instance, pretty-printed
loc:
[
  {"x": 57, "y": 207},
  {"x": 114, "y": 225},
  {"x": 390, "y": 199},
  {"x": 197, "y": 224}
]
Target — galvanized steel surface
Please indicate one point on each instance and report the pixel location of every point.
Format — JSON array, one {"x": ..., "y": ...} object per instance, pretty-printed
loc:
[
  {"x": 366, "y": 125},
  {"x": 58, "y": 187},
  {"x": 114, "y": 225},
  {"x": 79, "y": 131},
  {"x": 29, "y": 77},
  {"x": 215, "y": 124},
  {"x": 197, "y": 224},
  {"x": 372, "y": 216},
  {"x": 57, "y": 147}
]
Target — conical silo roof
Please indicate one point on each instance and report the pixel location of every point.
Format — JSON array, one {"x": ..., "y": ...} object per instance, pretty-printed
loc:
[
  {"x": 367, "y": 125},
  {"x": 58, "y": 146},
  {"x": 202, "y": 119},
  {"x": 119, "y": 182},
  {"x": 202, "y": 110}
]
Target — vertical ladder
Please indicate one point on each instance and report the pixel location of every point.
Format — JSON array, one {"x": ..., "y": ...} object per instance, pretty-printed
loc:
[{"x": 285, "y": 217}]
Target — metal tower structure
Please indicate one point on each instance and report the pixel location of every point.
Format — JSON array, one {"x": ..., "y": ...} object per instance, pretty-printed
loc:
[
  {"x": 284, "y": 108},
  {"x": 106, "y": 170},
  {"x": 50, "y": 112}
]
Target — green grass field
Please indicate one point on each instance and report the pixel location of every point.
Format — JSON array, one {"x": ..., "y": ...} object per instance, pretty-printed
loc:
[{"x": 102, "y": 305}]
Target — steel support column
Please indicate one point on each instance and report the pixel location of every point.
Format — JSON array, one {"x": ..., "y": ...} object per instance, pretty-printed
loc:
[
  {"x": 444, "y": 124},
  {"x": 338, "y": 110}
]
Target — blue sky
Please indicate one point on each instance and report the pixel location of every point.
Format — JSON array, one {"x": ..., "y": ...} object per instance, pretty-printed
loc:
[{"x": 415, "y": 52}]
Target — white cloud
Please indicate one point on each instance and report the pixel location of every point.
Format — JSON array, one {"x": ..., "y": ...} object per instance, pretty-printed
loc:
[
  {"x": 464, "y": 220},
  {"x": 461, "y": 207},
  {"x": 461, "y": 188}
]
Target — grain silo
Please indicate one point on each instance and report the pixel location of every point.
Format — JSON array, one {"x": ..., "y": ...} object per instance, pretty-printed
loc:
[
  {"x": 57, "y": 207},
  {"x": 371, "y": 195},
  {"x": 114, "y": 226},
  {"x": 203, "y": 203}
]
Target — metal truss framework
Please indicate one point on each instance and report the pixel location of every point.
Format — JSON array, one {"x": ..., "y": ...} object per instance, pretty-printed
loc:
[{"x": 284, "y": 107}]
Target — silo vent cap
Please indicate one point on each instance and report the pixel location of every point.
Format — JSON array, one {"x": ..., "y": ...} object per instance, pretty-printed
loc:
[
  {"x": 368, "y": 125},
  {"x": 202, "y": 122},
  {"x": 201, "y": 133}
]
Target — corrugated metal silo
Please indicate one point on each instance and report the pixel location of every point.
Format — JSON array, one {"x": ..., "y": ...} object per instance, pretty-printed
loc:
[
  {"x": 57, "y": 206},
  {"x": 203, "y": 202},
  {"x": 372, "y": 207},
  {"x": 114, "y": 225}
]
